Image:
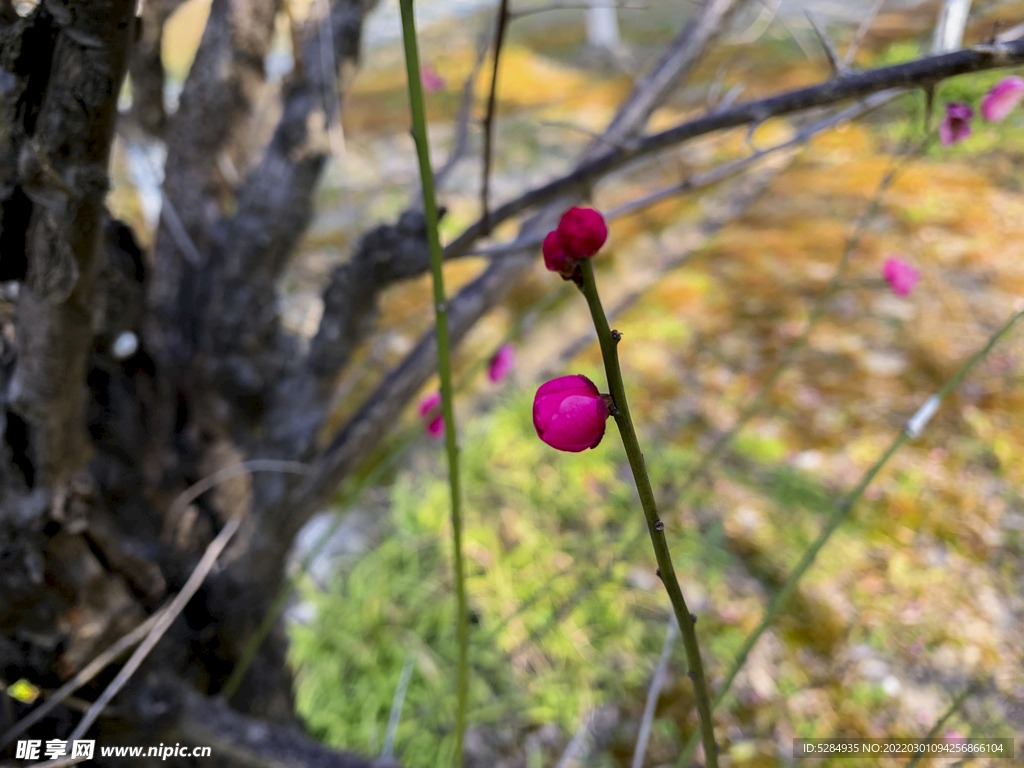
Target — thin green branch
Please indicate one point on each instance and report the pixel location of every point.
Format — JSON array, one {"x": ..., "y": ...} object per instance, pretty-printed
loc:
[
  {"x": 609, "y": 343},
  {"x": 419, "y": 130},
  {"x": 911, "y": 430},
  {"x": 953, "y": 709}
]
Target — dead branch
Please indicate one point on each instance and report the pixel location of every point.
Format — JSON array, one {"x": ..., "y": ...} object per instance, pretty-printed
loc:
[{"x": 488, "y": 125}]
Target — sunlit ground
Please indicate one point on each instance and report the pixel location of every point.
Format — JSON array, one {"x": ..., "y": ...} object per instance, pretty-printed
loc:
[{"x": 916, "y": 596}]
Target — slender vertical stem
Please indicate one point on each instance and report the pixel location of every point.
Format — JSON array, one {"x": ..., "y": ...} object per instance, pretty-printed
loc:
[
  {"x": 419, "y": 125},
  {"x": 485, "y": 184},
  {"x": 655, "y": 526},
  {"x": 953, "y": 709}
]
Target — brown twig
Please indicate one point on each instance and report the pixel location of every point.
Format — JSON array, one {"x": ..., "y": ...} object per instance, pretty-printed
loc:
[
  {"x": 915, "y": 74},
  {"x": 623, "y": 6},
  {"x": 461, "y": 140},
  {"x": 862, "y": 30},
  {"x": 488, "y": 125},
  {"x": 836, "y": 64}
]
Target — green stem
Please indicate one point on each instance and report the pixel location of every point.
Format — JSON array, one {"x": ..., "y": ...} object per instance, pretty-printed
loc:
[
  {"x": 655, "y": 526},
  {"x": 953, "y": 709},
  {"x": 419, "y": 130},
  {"x": 838, "y": 516}
]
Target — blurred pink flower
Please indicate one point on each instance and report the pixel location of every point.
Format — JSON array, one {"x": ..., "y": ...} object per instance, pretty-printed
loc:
[
  {"x": 430, "y": 412},
  {"x": 432, "y": 81},
  {"x": 956, "y": 125},
  {"x": 502, "y": 363},
  {"x": 900, "y": 275},
  {"x": 569, "y": 413},
  {"x": 1000, "y": 101}
]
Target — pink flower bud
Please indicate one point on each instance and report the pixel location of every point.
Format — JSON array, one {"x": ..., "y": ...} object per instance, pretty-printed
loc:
[
  {"x": 900, "y": 275},
  {"x": 569, "y": 413},
  {"x": 556, "y": 258},
  {"x": 432, "y": 81},
  {"x": 1000, "y": 101},
  {"x": 582, "y": 232},
  {"x": 430, "y": 412},
  {"x": 502, "y": 363},
  {"x": 956, "y": 125}
]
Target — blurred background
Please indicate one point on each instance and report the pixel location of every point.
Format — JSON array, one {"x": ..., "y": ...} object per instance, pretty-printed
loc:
[{"x": 914, "y": 599}]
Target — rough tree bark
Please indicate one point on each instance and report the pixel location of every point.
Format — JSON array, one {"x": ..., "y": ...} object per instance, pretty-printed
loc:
[{"x": 98, "y": 439}]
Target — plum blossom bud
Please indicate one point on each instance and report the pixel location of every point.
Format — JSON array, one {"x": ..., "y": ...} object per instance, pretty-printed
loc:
[
  {"x": 1000, "y": 101},
  {"x": 569, "y": 413},
  {"x": 900, "y": 275},
  {"x": 556, "y": 258},
  {"x": 430, "y": 412},
  {"x": 582, "y": 232},
  {"x": 956, "y": 125},
  {"x": 502, "y": 363}
]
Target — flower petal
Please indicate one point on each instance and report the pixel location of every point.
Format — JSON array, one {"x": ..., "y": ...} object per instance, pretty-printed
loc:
[{"x": 1000, "y": 101}]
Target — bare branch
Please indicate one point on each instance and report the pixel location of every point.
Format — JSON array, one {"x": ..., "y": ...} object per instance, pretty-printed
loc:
[
  {"x": 243, "y": 344},
  {"x": 760, "y": 25},
  {"x": 460, "y": 142},
  {"x": 709, "y": 177},
  {"x": 915, "y": 74},
  {"x": 622, "y": 6},
  {"x": 838, "y": 68},
  {"x": 499, "y": 42},
  {"x": 862, "y": 30},
  {"x": 218, "y": 96}
]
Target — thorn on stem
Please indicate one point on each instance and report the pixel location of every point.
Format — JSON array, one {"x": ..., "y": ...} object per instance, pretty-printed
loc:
[
  {"x": 658, "y": 573},
  {"x": 616, "y": 336},
  {"x": 693, "y": 617}
]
